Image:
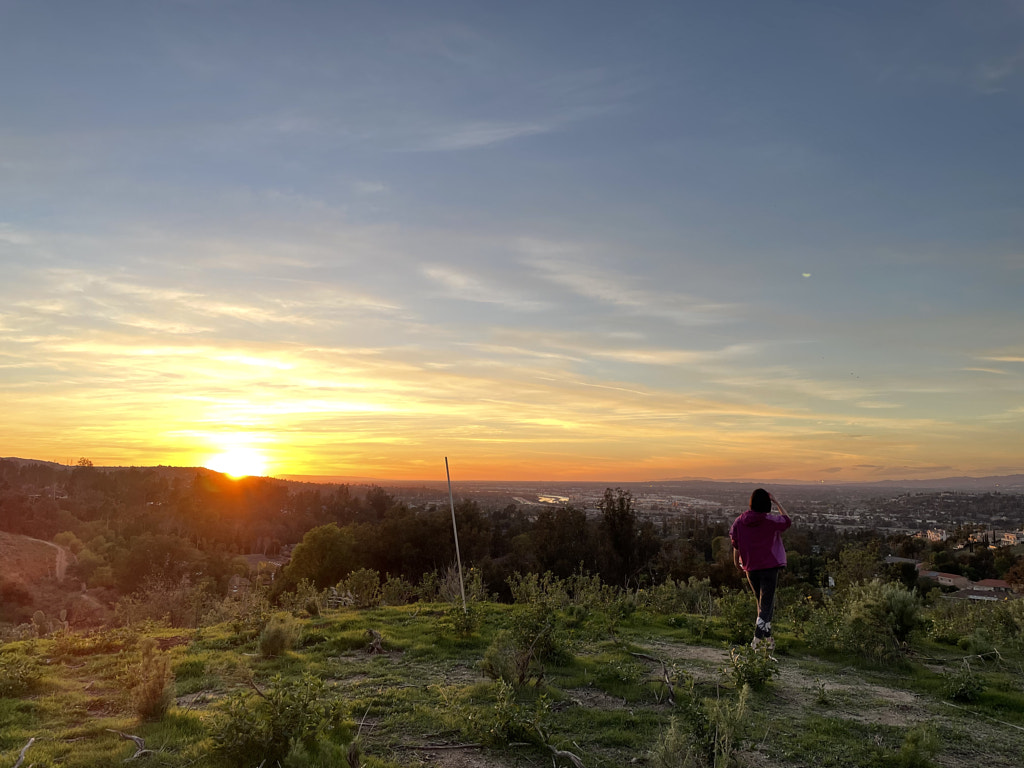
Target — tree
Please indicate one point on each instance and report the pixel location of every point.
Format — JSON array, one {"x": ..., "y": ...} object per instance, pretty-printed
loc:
[
  {"x": 323, "y": 557},
  {"x": 618, "y": 524}
]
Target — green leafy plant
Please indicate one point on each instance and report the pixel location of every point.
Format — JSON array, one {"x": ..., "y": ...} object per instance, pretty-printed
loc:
[
  {"x": 266, "y": 726},
  {"x": 963, "y": 684},
  {"x": 919, "y": 746},
  {"x": 364, "y": 586},
  {"x": 738, "y": 611},
  {"x": 19, "y": 674},
  {"x": 752, "y": 666},
  {"x": 397, "y": 591}
]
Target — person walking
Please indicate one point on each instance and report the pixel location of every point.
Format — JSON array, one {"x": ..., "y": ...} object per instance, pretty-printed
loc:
[{"x": 757, "y": 549}]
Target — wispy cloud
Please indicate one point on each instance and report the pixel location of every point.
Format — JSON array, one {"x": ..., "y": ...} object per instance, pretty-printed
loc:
[
  {"x": 459, "y": 284},
  {"x": 619, "y": 290}
]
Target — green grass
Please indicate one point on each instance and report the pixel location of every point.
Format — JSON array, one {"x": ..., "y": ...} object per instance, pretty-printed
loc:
[{"x": 600, "y": 701}]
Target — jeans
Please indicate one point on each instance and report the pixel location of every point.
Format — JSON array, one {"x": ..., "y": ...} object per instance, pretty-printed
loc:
[{"x": 763, "y": 583}]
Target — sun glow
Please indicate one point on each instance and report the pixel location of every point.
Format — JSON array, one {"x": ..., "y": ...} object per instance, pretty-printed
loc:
[{"x": 238, "y": 462}]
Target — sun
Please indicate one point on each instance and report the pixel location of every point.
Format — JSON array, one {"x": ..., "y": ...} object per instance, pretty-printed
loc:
[{"x": 238, "y": 462}]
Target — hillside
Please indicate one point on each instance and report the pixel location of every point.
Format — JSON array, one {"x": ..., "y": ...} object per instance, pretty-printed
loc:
[{"x": 433, "y": 690}]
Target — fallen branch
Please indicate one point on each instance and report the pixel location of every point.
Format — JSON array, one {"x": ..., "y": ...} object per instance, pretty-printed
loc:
[
  {"x": 574, "y": 759},
  {"x": 21, "y": 755},
  {"x": 664, "y": 675},
  {"x": 252, "y": 684},
  {"x": 140, "y": 744}
]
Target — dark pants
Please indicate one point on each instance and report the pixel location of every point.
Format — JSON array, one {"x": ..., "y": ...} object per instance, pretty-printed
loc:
[{"x": 763, "y": 583}]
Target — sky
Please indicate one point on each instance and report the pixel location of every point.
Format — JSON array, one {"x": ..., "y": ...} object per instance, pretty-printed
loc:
[{"x": 549, "y": 240}]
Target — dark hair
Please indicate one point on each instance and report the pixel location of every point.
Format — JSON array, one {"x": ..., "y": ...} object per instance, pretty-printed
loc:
[{"x": 760, "y": 501}]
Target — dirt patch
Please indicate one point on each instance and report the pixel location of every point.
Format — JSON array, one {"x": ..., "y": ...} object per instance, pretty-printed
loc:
[
  {"x": 594, "y": 699},
  {"x": 27, "y": 560},
  {"x": 469, "y": 757},
  {"x": 164, "y": 643}
]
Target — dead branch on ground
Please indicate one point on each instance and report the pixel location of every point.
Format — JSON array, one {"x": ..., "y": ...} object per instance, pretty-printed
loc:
[
  {"x": 666, "y": 678},
  {"x": 21, "y": 755},
  {"x": 140, "y": 744}
]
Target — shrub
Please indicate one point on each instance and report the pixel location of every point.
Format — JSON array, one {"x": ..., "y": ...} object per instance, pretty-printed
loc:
[
  {"x": 153, "y": 691},
  {"x": 738, "y": 610},
  {"x": 462, "y": 621},
  {"x": 397, "y": 591},
  {"x": 752, "y": 666},
  {"x": 963, "y": 685},
  {"x": 505, "y": 660},
  {"x": 278, "y": 636},
  {"x": 265, "y": 728},
  {"x": 509, "y": 720},
  {"x": 872, "y": 620},
  {"x": 19, "y": 674},
  {"x": 364, "y": 586}
]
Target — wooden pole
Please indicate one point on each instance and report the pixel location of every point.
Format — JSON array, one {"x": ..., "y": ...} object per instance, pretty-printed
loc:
[{"x": 458, "y": 555}]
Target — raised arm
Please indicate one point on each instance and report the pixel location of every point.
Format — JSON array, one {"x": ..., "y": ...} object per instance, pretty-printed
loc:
[{"x": 782, "y": 509}]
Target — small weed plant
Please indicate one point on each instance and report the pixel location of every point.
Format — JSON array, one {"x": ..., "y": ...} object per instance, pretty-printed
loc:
[
  {"x": 153, "y": 691},
  {"x": 705, "y": 734},
  {"x": 919, "y": 746}
]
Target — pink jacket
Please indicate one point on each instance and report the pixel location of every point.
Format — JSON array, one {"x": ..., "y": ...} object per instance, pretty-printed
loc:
[{"x": 757, "y": 538}]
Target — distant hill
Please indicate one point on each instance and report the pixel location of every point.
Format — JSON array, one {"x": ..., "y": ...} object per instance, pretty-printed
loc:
[
  {"x": 1006, "y": 483},
  {"x": 992, "y": 483}
]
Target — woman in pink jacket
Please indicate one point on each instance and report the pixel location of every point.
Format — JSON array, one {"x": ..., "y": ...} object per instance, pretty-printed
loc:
[{"x": 757, "y": 549}]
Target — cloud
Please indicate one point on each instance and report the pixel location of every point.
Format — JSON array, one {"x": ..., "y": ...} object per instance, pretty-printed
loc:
[
  {"x": 481, "y": 133},
  {"x": 462, "y": 285},
  {"x": 616, "y": 289},
  {"x": 991, "y": 76}
]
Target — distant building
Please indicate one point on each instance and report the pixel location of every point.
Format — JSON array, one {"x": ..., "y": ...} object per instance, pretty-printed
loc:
[
  {"x": 992, "y": 585},
  {"x": 946, "y": 579}
]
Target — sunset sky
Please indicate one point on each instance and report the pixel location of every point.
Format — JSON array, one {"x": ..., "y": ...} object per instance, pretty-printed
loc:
[{"x": 549, "y": 240}]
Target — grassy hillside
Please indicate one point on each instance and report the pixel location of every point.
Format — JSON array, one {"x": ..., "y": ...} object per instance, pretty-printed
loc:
[{"x": 605, "y": 682}]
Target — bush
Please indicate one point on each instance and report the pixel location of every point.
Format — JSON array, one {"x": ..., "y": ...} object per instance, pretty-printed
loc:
[
  {"x": 752, "y": 666},
  {"x": 872, "y": 620},
  {"x": 738, "y": 610},
  {"x": 278, "y": 636},
  {"x": 462, "y": 622},
  {"x": 19, "y": 674},
  {"x": 364, "y": 586},
  {"x": 296, "y": 716},
  {"x": 153, "y": 692},
  {"x": 509, "y": 721},
  {"x": 963, "y": 685},
  {"x": 397, "y": 591}
]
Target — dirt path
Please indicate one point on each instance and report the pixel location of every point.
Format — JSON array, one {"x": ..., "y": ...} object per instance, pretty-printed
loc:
[
  {"x": 25, "y": 561},
  {"x": 63, "y": 557}
]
